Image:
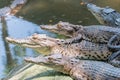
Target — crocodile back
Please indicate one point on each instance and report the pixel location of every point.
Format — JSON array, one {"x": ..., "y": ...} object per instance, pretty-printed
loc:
[
  {"x": 95, "y": 70},
  {"x": 97, "y": 33},
  {"x": 111, "y": 19},
  {"x": 84, "y": 50}
]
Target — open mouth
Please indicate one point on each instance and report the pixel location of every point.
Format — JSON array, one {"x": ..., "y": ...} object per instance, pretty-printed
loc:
[
  {"x": 34, "y": 41},
  {"x": 48, "y": 27},
  {"x": 22, "y": 42}
]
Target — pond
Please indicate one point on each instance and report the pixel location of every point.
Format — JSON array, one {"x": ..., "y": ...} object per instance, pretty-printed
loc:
[{"x": 37, "y": 12}]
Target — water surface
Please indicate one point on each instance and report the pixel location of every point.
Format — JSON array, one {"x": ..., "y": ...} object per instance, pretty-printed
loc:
[
  {"x": 53, "y": 11},
  {"x": 4, "y": 3},
  {"x": 12, "y": 55}
]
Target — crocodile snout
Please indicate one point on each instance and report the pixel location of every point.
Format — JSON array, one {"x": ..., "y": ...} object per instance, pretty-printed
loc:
[{"x": 93, "y": 8}]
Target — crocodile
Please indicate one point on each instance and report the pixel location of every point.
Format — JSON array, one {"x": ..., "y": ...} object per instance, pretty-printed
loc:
[
  {"x": 78, "y": 69},
  {"x": 106, "y": 16},
  {"x": 112, "y": 44},
  {"x": 93, "y": 33},
  {"x": 82, "y": 50},
  {"x": 68, "y": 29},
  {"x": 64, "y": 28}
]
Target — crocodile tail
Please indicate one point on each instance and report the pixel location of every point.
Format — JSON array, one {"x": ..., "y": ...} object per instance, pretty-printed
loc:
[
  {"x": 111, "y": 40},
  {"x": 113, "y": 56}
]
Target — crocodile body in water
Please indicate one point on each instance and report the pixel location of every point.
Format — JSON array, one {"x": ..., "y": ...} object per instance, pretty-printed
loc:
[
  {"x": 106, "y": 16},
  {"x": 82, "y": 50},
  {"x": 78, "y": 69}
]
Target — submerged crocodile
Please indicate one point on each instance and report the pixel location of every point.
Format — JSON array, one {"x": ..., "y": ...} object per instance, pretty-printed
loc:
[
  {"x": 82, "y": 50},
  {"x": 78, "y": 69},
  {"x": 106, "y": 16}
]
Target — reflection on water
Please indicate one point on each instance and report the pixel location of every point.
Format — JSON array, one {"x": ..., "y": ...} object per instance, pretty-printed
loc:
[
  {"x": 9, "y": 60},
  {"x": 41, "y": 12},
  {"x": 18, "y": 28},
  {"x": 21, "y": 28}
]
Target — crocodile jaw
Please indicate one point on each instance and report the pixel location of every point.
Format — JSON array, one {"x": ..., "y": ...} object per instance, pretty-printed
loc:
[
  {"x": 96, "y": 11},
  {"x": 63, "y": 28},
  {"x": 52, "y": 58},
  {"x": 54, "y": 61},
  {"x": 37, "y": 42},
  {"x": 21, "y": 42}
]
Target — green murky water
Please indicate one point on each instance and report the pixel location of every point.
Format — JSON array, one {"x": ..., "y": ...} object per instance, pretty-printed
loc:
[
  {"x": 52, "y": 11},
  {"x": 5, "y": 3},
  {"x": 37, "y": 12}
]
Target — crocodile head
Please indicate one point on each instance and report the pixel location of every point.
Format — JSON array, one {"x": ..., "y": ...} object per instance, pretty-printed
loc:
[
  {"x": 78, "y": 69},
  {"x": 56, "y": 61},
  {"x": 64, "y": 28},
  {"x": 38, "y": 42},
  {"x": 53, "y": 61},
  {"x": 99, "y": 13},
  {"x": 46, "y": 45}
]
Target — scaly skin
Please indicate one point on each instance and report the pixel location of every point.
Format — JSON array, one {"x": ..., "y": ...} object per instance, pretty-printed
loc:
[
  {"x": 93, "y": 33},
  {"x": 114, "y": 46},
  {"x": 64, "y": 28},
  {"x": 106, "y": 16},
  {"x": 112, "y": 41},
  {"x": 110, "y": 17},
  {"x": 82, "y": 50},
  {"x": 78, "y": 69}
]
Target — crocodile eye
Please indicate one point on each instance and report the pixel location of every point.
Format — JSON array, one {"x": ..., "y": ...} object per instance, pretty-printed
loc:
[
  {"x": 34, "y": 37},
  {"x": 59, "y": 26}
]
